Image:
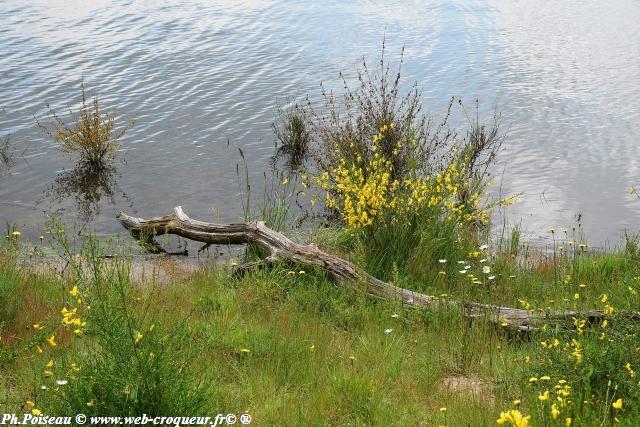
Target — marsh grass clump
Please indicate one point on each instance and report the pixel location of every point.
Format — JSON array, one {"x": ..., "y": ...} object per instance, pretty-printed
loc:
[
  {"x": 292, "y": 134},
  {"x": 92, "y": 135},
  {"x": 6, "y": 157}
]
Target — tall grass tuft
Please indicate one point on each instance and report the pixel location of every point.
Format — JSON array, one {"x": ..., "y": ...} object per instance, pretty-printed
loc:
[
  {"x": 292, "y": 134},
  {"x": 6, "y": 158},
  {"x": 9, "y": 281},
  {"x": 92, "y": 135}
]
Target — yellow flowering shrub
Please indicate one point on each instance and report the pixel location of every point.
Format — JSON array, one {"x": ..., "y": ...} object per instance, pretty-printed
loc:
[{"x": 361, "y": 190}]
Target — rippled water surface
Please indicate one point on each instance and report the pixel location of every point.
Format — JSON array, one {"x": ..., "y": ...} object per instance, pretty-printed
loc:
[{"x": 201, "y": 79}]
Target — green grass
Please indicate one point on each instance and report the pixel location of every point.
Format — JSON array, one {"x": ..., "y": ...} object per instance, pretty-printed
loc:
[{"x": 318, "y": 353}]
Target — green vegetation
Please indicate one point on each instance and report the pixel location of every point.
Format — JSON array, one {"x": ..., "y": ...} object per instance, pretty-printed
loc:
[
  {"x": 6, "y": 158},
  {"x": 288, "y": 346},
  {"x": 292, "y": 136},
  {"x": 91, "y": 136}
]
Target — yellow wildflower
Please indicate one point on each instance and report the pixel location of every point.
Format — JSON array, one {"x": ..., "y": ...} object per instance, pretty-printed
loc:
[
  {"x": 52, "y": 341},
  {"x": 555, "y": 411},
  {"x": 513, "y": 417},
  {"x": 544, "y": 396},
  {"x": 617, "y": 404},
  {"x": 74, "y": 291}
]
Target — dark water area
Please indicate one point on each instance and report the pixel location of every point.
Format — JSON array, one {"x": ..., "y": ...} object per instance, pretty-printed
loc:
[{"x": 201, "y": 80}]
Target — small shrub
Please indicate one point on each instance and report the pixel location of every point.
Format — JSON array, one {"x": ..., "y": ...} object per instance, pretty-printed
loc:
[
  {"x": 390, "y": 175},
  {"x": 91, "y": 136}
]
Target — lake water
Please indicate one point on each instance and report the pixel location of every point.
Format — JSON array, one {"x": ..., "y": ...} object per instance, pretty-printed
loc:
[{"x": 202, "y": 79}]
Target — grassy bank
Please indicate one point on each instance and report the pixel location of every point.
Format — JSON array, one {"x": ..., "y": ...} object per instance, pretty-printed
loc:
[{"x": 288, "y": 346}]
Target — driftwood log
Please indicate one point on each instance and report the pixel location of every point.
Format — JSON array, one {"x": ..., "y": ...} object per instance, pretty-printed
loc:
[{"x": 281, "y": 248}]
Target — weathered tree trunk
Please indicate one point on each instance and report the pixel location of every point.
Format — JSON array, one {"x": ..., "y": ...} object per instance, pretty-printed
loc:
[{"x": 280, "y": 247}]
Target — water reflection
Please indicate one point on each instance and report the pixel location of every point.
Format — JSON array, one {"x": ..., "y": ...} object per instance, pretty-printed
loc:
[{"x": 87, "y": 186}]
